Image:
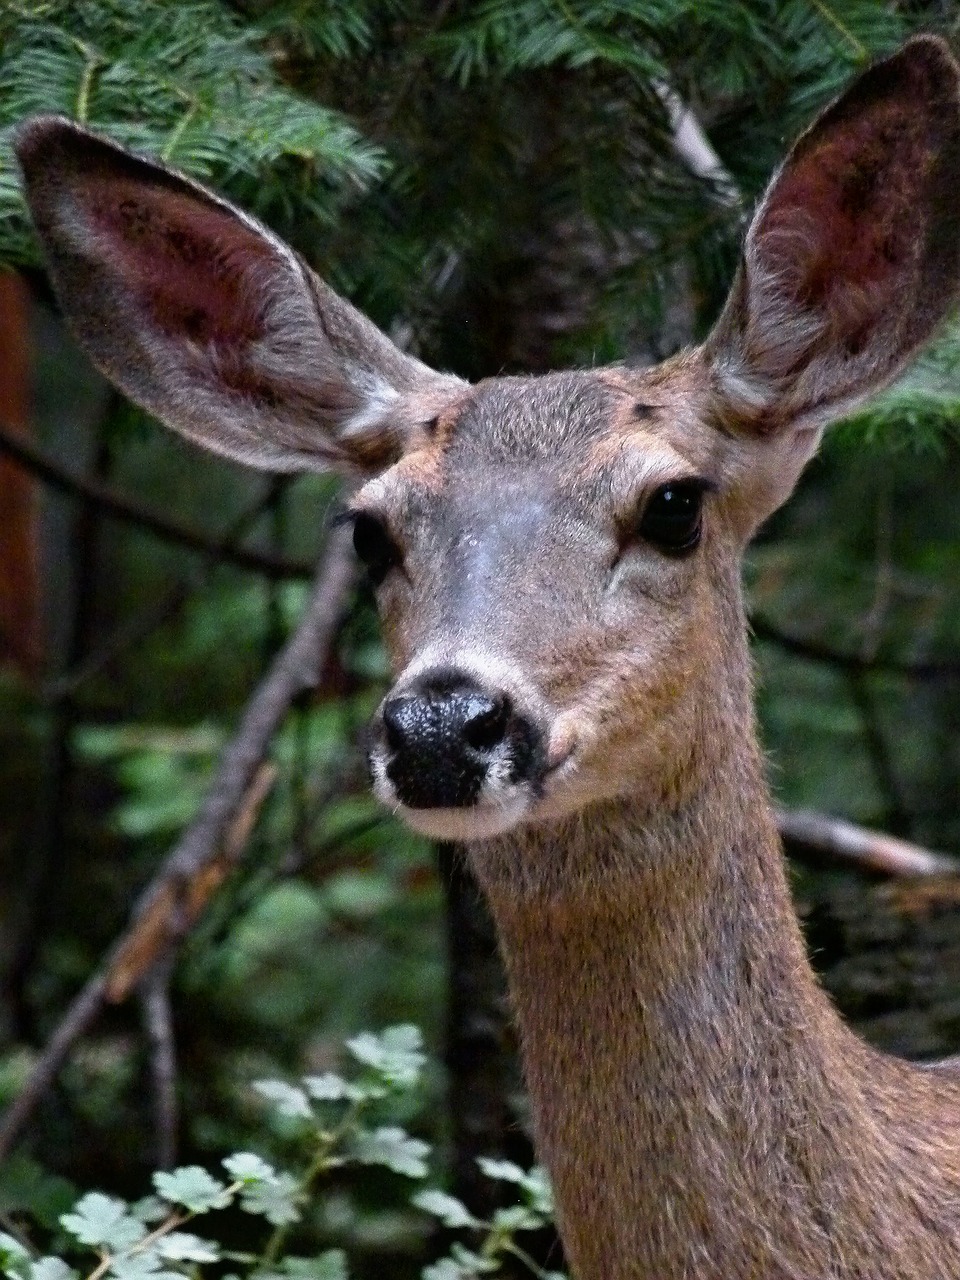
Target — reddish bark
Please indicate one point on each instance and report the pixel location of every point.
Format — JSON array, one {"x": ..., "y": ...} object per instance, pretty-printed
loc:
[{"x": 20, "y": 642}]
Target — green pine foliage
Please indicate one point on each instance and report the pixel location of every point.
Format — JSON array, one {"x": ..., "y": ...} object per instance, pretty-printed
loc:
[{"x": 190, "y": 83}]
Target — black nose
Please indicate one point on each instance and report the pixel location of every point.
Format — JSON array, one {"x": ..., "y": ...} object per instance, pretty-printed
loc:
[{"x": 444, "y": 733}]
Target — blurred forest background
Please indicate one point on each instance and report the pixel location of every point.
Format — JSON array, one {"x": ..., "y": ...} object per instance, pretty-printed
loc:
[{"x": 503, "y": 185}]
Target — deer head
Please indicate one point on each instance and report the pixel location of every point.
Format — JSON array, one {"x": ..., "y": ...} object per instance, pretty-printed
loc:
[{"x": 556, "y": 558}]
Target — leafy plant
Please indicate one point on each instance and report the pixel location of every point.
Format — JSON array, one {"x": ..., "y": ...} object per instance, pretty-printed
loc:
[{"x": 332, "y": 1120}]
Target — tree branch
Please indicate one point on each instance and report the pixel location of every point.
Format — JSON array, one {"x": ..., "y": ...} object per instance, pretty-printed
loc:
[
  {"x": 212, "y": 843},
  {"x": 815, "y": 837},
  {"x": 158, "y": 1023},
  {"x": 815, "y": 651},
  {"x": 694, "y": 147},
  {"x": 133, "y": 630},
  {"x": 114, "y": 504}
]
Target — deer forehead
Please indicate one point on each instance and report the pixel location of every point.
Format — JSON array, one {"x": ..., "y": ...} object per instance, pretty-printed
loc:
[{"x": 595, "y": 441}]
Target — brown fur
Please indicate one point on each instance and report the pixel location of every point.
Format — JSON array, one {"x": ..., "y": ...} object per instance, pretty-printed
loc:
[{"x": 702, "y": 1111}]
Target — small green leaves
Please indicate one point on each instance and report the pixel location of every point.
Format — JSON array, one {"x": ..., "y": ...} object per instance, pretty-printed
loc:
[
  {"x": 394, "y": 1149},
  {"x": 396, "y": 1055},
  {"x": 335, "y": 1123},
  {"x": 182, "y": 1246},
  {"x": 14, "y": 1258},
  {"x": 331, "y": 1265},
  {"x": 453, "y": 1213},
  {"x": 51, "y": 1269},
  {"x": 275, "y": 1198},
  {"x": 140, "y": 1266},
  {"x": 497, "y": 1234},
  {"x": 246, "y": 1167},
  {"x": 533, "y": 1183},
  {"x": 193, "y": 1188},
  {"x": 462, "y": 1264},
  {"x": 286, "y": 1099},
  {"x": 103, "y": 1220},
  {"x": 333, "y": 1088}
]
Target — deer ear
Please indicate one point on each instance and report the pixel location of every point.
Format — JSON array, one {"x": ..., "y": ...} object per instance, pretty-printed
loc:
[
  {"x": 211, "y": 322},
  {"x": 853, "y": 257}
]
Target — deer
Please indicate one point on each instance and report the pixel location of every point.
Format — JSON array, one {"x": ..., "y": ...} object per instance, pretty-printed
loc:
[{"x": 556, "y": 561}]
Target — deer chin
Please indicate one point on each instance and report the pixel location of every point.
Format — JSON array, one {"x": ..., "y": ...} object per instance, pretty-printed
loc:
[{"x": 482, "y": 821}]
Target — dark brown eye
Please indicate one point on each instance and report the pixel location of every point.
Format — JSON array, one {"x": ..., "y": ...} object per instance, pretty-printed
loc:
[
  {"x": 671, "y": 519},
  {"x": 375, "y": 548}
]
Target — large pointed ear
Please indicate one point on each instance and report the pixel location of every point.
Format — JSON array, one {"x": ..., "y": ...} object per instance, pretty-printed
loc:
[
  {"x": 853, "y": 257},
  {"x": 211, "y": 322}
]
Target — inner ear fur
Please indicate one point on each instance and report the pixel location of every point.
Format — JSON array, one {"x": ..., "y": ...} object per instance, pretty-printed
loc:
[
  {"x": 210, "y": 321},
  {"x": 853, "y": 257}
]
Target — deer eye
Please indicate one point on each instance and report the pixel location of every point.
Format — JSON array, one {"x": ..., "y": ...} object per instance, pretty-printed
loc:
[
  {"x": 671, "y": 519},
  {"x": 375, "y": 548}
]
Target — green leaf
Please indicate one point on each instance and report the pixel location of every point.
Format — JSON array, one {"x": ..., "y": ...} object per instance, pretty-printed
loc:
[
  {"x": 445, "y": 1269},
  {"x": 183, "y": 1246},
  {"x": 26, "y": 1187},
  {"x": 396, "y": 1054},
  {"x": 149, "y": 1209},
  {"x": 140, "y": 1266},
  {"x": 274, "y": 1200},
  {"x": 394, "y": 1148},
  {"x": 246, "y": 1167},
  {"x": 470, "y": 1261},
  {"x": 333, "y": 1088},
  {"x": 14, "y": 1258},
  {"x": 51, "y": 1269},
  {"x": 534, "y": 1183},
  {"x": 502, "y": 1170},
  {"x": 192, "y": 1187},
  {"x": 517, "y": 1217},
  {"x": 286, "y": 1098},
  {"x": 330, "y": 1265},
  {"x": 463, "y": 1264},
  {"x": 452, "y": 1212},
  {"x": 103, "y": 1220}
]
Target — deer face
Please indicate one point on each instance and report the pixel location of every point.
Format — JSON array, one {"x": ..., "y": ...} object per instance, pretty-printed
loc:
[
  {"x": 556, "y": 558},
  {"x": 544, "y": 564}
]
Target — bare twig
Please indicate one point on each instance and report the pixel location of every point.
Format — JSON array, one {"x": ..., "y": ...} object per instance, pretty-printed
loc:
[
  {"x": 158, "y": 1021},
  {"x": 694, "y": 147},
  {"x": 133, "y": 630},
  {"x": 815, "y": 651},
  {"x": 114, "y": 504},
  {"x": 815, "y": 837},
  {"x": 896, "y": 814},
  {"x": 196, "y": 865}
]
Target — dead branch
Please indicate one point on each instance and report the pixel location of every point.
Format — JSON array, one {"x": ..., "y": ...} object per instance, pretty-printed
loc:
[
  {"x": 114, "y": 504},
  {"x": 158, "y": 1024},
  {"x": 817, "y": 838},
  {"x": 694, "y": 147},
  {"x": 180, "y": 901},
  {"x": 198, "y": 863}
]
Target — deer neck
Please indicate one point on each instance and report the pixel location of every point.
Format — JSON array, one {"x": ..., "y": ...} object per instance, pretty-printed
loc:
[{"x": 701, "y": 1109}]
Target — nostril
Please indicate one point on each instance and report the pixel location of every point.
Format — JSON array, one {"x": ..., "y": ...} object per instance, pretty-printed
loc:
[
  {"x": 485, "y": 721},
  {"x": 396, "y": 721}
]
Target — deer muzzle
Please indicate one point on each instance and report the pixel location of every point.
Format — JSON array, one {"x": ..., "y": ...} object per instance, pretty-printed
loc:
[{"x": 445, "y": 743}]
